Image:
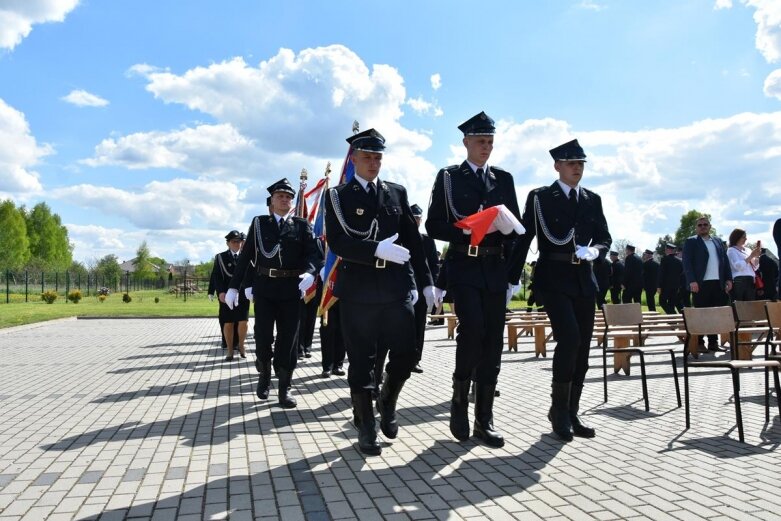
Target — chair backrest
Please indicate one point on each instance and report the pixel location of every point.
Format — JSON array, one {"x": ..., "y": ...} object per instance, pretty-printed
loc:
[
  {"x": 773, "y": 314},
  {"x": 708, "y": 321},
  {"x": 622, "y": 314},
  {"x": 749, "y": 311}
]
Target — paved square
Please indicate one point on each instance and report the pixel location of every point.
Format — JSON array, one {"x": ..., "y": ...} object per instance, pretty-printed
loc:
[{"x": 142, "y": 419}]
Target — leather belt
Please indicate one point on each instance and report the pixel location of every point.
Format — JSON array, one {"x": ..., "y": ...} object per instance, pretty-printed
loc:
[
  {"x": 277, "y": 273},
  {"x": 378, "y": 263},
  {"x": 475, "y": 251},
  {"x": 560, "y": 257}
]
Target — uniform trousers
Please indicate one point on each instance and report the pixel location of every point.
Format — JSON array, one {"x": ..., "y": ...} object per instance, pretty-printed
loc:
[
  {"x": 710, "y": 294},
  {"x": 331, "y": 339},
  {"x": 668, "y": 300},
  {"x": 615, "y": 295},
  {"x": 632, "y": 295},
  {"x": 572, "y": 322},
  {"x": 421, "y": 314},
  {"x": 285, "y": 314},
  {"x": 367, "y": 325},
  {"x": 480, "y": 333},
  {"x": 308, "y": 319},
  {"x": 650, "y": 298}
]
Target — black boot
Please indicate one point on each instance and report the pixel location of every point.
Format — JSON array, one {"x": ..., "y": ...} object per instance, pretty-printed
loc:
[
  {"x": 559, "y": 411},
  {"x": 578, "y": 428},
  {"x": 459, "y": 409},
  {"x": 386, "y": 406},
  {"x": 264, "y": 379},
  {"x": 365, "y": 423},
  {"x": 484, "y": 415},
  {"x": 285, "y": 400},
  {"x": 377, "y": 382}
]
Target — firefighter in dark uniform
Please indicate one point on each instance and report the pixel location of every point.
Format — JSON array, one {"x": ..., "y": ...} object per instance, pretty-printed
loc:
[
  {"x": 601, "y": 269},
  {"x": 650, "y": 279},
  {"x": 477, "y": 276},
  {"x": 280, "y": 258},
  {"x": 616, "y": 277},
  {"x": 768, "y": 267},
  {"x": 571, "y": 232},
  {"x": 370, "y": 225},
  {"x": 309, "y": 309},
  {"x": 670, "y": 273},
  {"x": 633, "y": 277},
  {"x": 232, "y": 321}
]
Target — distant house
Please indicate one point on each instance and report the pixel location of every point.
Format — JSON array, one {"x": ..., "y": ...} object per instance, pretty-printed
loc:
[{"x": 130, "y": 266}]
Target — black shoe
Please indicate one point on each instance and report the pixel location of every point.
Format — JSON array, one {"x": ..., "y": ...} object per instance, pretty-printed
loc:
[
  {"x": 365, "y": 424},
  {"x": 338, "y": 371},
  {"x": 559, "y": 414},
  {"x": 386, "y": 406},
  {"x": 484, "y": 416},
  {"x": 307, "y": 352},
  {"x": 716, "y": 348},
  {"x": 417, "y": 369},
  {"x": 285, "y": 399},
  {"x": 229, "y": 358},
  {"x": 459, "y": 409},
  {"x": 579, "y": 428},
  {"x": 326, "y": 373}
]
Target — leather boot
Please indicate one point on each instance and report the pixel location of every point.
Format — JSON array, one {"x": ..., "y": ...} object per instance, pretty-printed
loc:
[
  {"x": 484, "y": 415},
  {"x": 386, "y": 406},
  {"x": 377, "y": 382},
  {"x": 559, "y": 411},
  {"x": 365, "y": 423},
  {"x": 459, "y": 409},
  {"x": 264, "y": 378},
  {"x": 578, "y": 427},
  {"x": 285, "y": 377}
]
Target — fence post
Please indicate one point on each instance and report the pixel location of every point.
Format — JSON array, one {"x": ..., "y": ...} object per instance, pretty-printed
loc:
[
  {"x": 7, "y": 286},
  {"x": 184, "y": 285},
  {"x": 67, "y": 284},
  {"x": 56, "y": 281},
  {"x": 43, "y": 278},
  {"x": 26, "y": 280}
]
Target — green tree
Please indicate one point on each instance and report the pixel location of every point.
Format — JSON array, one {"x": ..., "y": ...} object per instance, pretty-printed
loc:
[
  {"x": 204, "y": 270},
  {"x": 688, "y": 226},
  {"x": 49, "y": 244},
  {"x": 660, "y": 244},
  {"x": 143, "y": 265},
  {"x": 14, "y": 244},
  {"x": 78, "y": 271},
  {"x": 108, "y": 271}
]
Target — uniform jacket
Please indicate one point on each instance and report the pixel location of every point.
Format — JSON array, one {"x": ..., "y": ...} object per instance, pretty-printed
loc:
[
  {"x": 650, "y": 274},
  {"x": 670, "y": 273},
  {"x": 358, "y": 278},
  {"x": 769, "y": 269},
  {"x": 470, "y": 195},
  {"x": 695, "y": 260},
  {"x": 633, "y": 272},
  {"x": 222, "y": 272},
  {"x": 298, "y": 251},
  {"x": 602, "y": 273},
  {"x": 559, "y": 217},
  {"x": 616, "y": 274},
  {"x": 432, "y": 259}
]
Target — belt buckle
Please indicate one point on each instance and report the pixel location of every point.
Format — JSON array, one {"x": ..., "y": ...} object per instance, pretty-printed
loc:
[
  {"x": 379, "y": 263},
  {"x": 574, "y": 259},
  {"x": 271, "y": 273},
  {"x": 472, "y": 251}
]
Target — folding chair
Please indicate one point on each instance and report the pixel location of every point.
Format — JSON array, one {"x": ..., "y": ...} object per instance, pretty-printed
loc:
[
  {"x": 628, "y": 318},
  {"x": 773, "y": 337},
  {"x": 707, "y": 321},
  {"x": 751, "y": 319}
]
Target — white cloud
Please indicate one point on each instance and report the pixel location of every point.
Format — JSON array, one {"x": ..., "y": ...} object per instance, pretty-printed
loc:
[
  {"x": 421, "y": 106},
  {"x": 768, "y": 19},
  {"x": 436, "y": 81},
  {"x": 723, "y": 4},
  {"x": 19, "y": 151},
  {"x": 773, "y": 84},
  {"x": 82, "y": 98},
  {"x": 591, "y": 6},
  {"x": 171, "y": 205},
  {"x": 18, "y": 17}
]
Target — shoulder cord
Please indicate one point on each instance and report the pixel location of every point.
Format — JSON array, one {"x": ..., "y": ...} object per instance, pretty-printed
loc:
[
  {"x": 223, "y": 267},
  {"x": 449, "y": 197},
  {"x": 558, "y": 242},
  {"x": 261, "y": 246},
  {"x": 370, "y": 234}
]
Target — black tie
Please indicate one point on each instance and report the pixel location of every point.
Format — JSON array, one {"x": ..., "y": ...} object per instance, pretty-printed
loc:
[
  {"x": 481, "y": 174},
  {"x": 573, "y": 198},
  {"x": 235, "y": 256},
  {"x": 372, "y": 191},
  {"x": 281, "y": 224}
]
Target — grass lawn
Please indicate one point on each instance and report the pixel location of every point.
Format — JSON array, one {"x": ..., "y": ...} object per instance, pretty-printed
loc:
[{"x": 18, "y": 312}]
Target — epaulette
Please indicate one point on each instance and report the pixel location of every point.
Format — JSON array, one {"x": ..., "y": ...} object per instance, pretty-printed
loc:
[
  {"x": 452, "y": 168},
  {"x": 499, "y": 169}
]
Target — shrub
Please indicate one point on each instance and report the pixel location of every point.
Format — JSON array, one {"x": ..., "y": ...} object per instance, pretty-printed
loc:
[
  {"x": 157, "y": 300},
  {"x": 126, "y": 298},
  {"x": 74, "y": 296},
  {"x": 102, "y": 298},
  {"x": 49, "y": 296},
  {"x": 104, "y": 291}
]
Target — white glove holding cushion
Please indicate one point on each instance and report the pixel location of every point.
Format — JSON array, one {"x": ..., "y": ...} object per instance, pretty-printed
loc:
[
  {"x": 414, "y": 294},
  {"x": 322, "y": 273},
  {"x": 507, "y": 223},
  {"x": 391, "y": 252},
  {"x": 248, "y": 293},
  {"x": 586, "y": 253},
  {"x": 439, "y": 294},
  {"x": 307, "y": 279},
  {"x": 511, "y": 290},
  {"x": 232, "y": 298},
  {"x": 211, "y": 297},
  {"x": 428, "y": 294}
]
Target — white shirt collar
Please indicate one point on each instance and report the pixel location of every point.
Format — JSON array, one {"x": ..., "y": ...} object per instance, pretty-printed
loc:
[
  {"x": 279, "y": 218},
  {"x": 474, "y": 167},
  {"x": 566, "y": 188},
  {"x": 364, "y": 183}
]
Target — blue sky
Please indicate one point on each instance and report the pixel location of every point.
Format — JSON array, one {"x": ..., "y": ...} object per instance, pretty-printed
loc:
[{"x": 165, "y": 121}]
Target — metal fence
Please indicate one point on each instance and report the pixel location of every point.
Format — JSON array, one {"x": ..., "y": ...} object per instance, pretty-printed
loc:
[{"x": 24, "y": 286}]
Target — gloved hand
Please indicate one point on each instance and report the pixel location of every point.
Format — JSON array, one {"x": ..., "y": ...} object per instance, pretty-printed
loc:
[
  {"x": 439, "y": 294},
  {"x": 391, "y": 252},
  {"x": 414, "y": 294},
  {"x": 586, "y": 253},
  {"x": 307, "y": 279},
  {"x": 322, "y": 273},
  {"x": 211, "y": 297},
  {"x": 507, "y": 223},
  {"x": 467, "y": 231},
  {"x": 428, "y": 294},
  {"x": 511, "y": 290},
  {"x": 232, "y": 298},
  {"x": 248, "y": 293}
]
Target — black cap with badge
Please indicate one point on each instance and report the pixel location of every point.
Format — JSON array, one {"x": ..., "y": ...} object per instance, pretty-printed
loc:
[
  {"x": 234, "y": 234},
  {"x": 283, "y": 185},
  {"x": 417, "y": 211},
  {"x": 569, "y": 151},
  {"x": 367, "y": 141},
  {"x": 478, "y": 125}
]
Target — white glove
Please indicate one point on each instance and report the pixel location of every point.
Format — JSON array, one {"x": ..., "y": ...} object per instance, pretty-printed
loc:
[
  {"x": 391, "y": 252},
  {"x": 322, "y": 273},
  {"x": 428, "y": 294},
  {"x": 511, "y": 289},
  {"x": 467, "y": 231},
  {"x": 507, "y": 223},
  {"x": 232, "y": 298},
  {"x": 211, "y": 297},
  {"x": 439, "y": 294},
  {"x": 307, "y": 279},
  {"x": 586, "y": 253},
  {"x": 414, "y": 294},
  {"x": 248, "y": 293}
]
